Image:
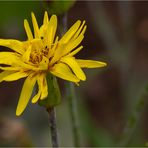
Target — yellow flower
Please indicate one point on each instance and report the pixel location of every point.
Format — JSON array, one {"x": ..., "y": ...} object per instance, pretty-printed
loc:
[{"x": 42, "y": 53}]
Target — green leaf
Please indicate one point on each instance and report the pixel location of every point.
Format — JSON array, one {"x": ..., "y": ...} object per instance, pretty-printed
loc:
[
  {"x": 59, "y": 7},
  {"x": 54, "y": 96}
]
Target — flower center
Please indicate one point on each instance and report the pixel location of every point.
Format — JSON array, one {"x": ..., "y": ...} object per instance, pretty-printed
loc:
[{"x": 38, "y": 51}]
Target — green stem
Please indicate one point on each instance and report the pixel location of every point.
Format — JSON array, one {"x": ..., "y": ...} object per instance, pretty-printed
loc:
[
  {"x": 53, "y": 127},
  {"x": 73, "y": 113},
  {"x": 133, "y": 120}
]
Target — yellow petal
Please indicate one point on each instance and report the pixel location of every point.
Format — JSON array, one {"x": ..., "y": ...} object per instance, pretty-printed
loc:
[
  {"x": 75, "y": 51},
  {"x": 37, "y": 44},
  {"x": 84, "y": 29},
  {"x": 39, "y": 82},
  {"x": 68, "y": 35},
  {"x": 35, "y": 26},
  {"x": 69, "y": 41},
  {"x": 52, "y": 50},
  {"x": 51, "y": 30},
  {"x": 80, "y": 30},
  {"x": 36, "y": 97},
  {"x": 72, "y": 44},
  {"x": 25, "y": 94},
  {"x": 5, "y": 74},
  {"x": 26, "y": 55},
  {"x": 11, "y": 68},
  {"x": 28, "y": 30},
  {"x": 61, "y": 70},
  {"x": 71, "y": 62},
  {"x": 44, "y": 88},
  {"x": 13, "y": 44},
  {"x": 27, "y": 66},
  {"x": 90, "y": 63},
  {"x": 8, "y": 58},
  {"x": 15, "y": 76},
  {"x": 44, "y": 63},
  {"x": 46, "y": 19},
  {"x": 58, "y": 53}
]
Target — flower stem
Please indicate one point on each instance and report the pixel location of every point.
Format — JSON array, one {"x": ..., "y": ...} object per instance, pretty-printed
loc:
[
  {"x": 53, "y": 127},
  {"x": 73, "y": 113}
]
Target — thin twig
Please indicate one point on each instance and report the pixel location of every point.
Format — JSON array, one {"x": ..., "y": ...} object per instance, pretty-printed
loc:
[{"x": 53, "y": 127}]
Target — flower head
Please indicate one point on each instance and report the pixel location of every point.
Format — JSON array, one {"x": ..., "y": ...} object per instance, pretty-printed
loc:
[{"x": 44, "y": 53}]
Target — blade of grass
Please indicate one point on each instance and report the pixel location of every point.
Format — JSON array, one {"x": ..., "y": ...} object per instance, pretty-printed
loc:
[{"x": 133, "y": 120}]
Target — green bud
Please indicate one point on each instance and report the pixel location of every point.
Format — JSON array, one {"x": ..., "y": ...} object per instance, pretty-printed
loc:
[
  {"x": 54, "y": 96},
  {"x": 59, "y": 7}
]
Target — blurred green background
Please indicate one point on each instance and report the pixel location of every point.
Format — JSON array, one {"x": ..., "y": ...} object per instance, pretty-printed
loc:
[{"x": 117, "y": 33}]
